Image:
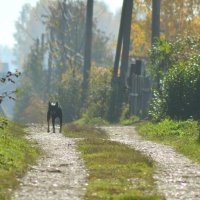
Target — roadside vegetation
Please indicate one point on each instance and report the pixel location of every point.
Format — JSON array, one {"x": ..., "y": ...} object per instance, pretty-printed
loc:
[
  {"x": 115, "y": 171},
  {"x": 16, "y": 154},
  {"x": 182, "y": 135}
]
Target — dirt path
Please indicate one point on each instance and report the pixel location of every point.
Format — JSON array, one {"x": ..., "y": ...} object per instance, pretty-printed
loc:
[
  {"x": 59, "y": 174},
  {"x": 177, "y": 177}
]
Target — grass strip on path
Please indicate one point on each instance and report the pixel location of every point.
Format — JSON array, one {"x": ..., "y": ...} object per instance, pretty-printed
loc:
[
  {"x": 16, "y": 154},
  {"x": 182, "y": 135},
  {"x": 116, "y": 172}
]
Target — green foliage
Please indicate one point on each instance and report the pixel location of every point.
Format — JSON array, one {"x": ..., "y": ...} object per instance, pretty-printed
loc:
[
  {"x": 130, "y": 121},
  {"x": 168, "y": 128},
  {"x": 69, "y": 95},
  {"x": 30, "y": 106},
  {"x": 5, "y": 78},
  {"x": 183, "y": 135},
  {"x": 158, "y": 108},
  {"x": 179, "y": 79},
  {"x": 68, "y": 35},
  {"x": 160, "y": 58},
  {"x": 165, "y": 54},
  {"x": 125, "y": 118},
  {"x": 115, "y": 171},
  {"x": 87, "y": 119},
  {"x": 65, "y": 27},
  {"x": 182, "y": 86},
  {"x": 16, "y": 154},
  {"x": 83, "y": 131},
  {"x": 102, "y": 52},
  {"x": 99, "y": 93}
]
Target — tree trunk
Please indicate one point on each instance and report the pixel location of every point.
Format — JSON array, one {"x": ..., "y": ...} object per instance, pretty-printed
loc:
[
  {"x": 119, "y": 43},
  {"x": 88, "y": 49},
  {"x": 126, "y": 41},
  {"x": 155, "y": 20},
  {"x": 118, "y": 83}
]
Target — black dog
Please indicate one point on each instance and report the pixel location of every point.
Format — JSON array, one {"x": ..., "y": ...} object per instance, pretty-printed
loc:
[{"x": 54, "y": 111}]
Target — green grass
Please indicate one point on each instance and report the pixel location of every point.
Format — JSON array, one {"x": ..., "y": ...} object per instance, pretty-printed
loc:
[
  {"x": 83, "y": 131},
  {"x": 85, "y": 119},
  {"x": 116, "y": 172},
  {"x": 130, "y": 121},
  {"x": 182, "y": 135},
  {"x": 16, "y": 154}
]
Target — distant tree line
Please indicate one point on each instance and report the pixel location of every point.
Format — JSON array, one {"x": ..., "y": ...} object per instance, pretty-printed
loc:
[
  {"x": 54, "y": 55},
  {"x": 52, "y": 62}
]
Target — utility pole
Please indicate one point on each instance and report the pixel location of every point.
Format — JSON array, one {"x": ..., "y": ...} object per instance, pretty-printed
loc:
[
  {"x": 156, "y": 29},
  {"x": 126, "y": 40},
  {"x": 119, "y": 44},
  {"x": 155, "y": 20},
  {"x": 42, "y": 43},
  {"x": 122, "y": 51},
  {"x": 88, "y": 50}
]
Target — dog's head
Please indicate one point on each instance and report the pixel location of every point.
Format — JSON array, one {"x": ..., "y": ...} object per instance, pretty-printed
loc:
[{"x": 53, "y": 107}]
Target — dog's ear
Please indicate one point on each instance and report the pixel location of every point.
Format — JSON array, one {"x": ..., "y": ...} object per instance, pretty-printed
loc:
[
  {"x": 56, "y": 104},
  {"x": 49, "y": 104}
]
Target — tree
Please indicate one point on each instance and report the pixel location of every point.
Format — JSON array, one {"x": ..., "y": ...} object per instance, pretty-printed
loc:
[
  {"x": 178, "y": 96},
  {"x": 99, "y": 93},
  {"x": 29, "y": 27},
  {"x": 9, "y": 77},
  {"x": 177, "y": 18},
  {"x": 69, "y": 94},
  {"x": 22, "y": 37},
  {"x": 123, "y": 46},
  {"x": 155, "y": 20},
  {"x": 32, "y": 87},
  {"x": 63, "y": 22},
  {"x": 88, "y": 49}
]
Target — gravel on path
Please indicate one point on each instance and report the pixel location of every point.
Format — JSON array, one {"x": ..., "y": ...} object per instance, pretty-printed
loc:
[
  {"x": 59, "y": 174},
  {"x": 177, "y": 177}
]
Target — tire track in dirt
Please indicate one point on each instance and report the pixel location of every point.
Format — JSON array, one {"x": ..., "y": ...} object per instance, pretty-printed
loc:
[
  {"x": 177, "y": 177},
  {"x": 59, "y": 174}
]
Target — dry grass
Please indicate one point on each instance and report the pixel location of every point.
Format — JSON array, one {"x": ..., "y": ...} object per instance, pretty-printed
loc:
[{"x": 115, "y": 171}]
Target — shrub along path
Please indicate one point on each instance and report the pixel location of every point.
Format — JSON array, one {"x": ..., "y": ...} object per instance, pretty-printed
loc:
[
  {"x": 59, "y": 174},
  {"x": 177, "y": 177}
]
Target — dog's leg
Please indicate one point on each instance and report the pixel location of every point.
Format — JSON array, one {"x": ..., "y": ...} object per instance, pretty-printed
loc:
[
  {"x": 60, "y": 124},
  {"x": 60, "y": 113},
  {"x": 53, "y": 123},
  {"x": 48, "y": 118}
]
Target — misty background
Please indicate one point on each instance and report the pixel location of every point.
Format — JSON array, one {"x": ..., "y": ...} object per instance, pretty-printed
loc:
[{"x": 23, "y": 23}]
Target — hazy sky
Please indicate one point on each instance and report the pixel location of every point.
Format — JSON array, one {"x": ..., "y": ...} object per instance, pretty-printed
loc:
[{"x": 9, "y": 13}]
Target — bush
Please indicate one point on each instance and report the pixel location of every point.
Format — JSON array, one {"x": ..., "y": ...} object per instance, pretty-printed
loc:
[
  {"x": 29, "y": 107},
  {"x": 69, "y": 94},
  {"x": 99, "y": 93},
  {"x": 168, "y": 128},
  {"x": 182, "y": 86},
  {"x": 178, "y": 95}
]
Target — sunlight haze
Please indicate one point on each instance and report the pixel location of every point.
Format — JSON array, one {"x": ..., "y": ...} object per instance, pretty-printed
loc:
[{"x": 9, "y": 13}]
